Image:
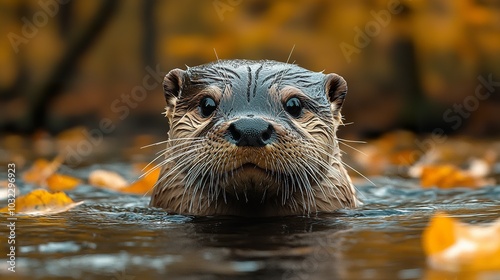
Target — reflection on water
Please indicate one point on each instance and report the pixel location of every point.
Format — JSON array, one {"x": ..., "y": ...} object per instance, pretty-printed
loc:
[{"x": 116, "y": 236}]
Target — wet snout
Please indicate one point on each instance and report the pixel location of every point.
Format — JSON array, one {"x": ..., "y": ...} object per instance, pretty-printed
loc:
[{"x": 250, "y": 132}]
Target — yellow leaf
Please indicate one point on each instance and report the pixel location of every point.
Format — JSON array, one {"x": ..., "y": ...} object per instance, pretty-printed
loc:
[
  {"x": 42, "y": 202},
  {"x": 455, "y": 246},
  {"x": 144, "y": 184},
  {"x": 73, "y": 134},
  {"x": 60, "y": 182},
  {"x": 405, "y": 157},
  {"x": 448, "y": 176},
  {"x": 107, "y": 179},
  {"x": 440, "y": 234}
]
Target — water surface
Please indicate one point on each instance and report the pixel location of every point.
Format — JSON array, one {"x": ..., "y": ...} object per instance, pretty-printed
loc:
[{"x": 117, "y": 236}]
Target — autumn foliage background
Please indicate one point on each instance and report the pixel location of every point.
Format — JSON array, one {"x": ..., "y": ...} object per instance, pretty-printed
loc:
[
  {"x": 80, "y": 84},
  {"x": 418, "y": 64}
]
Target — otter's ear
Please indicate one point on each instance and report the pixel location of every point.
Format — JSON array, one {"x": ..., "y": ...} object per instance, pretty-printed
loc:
[
  {"x": 336, "y": 89},
  {"x": 172, "y": 85}
]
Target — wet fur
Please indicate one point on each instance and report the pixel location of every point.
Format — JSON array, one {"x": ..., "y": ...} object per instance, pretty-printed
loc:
[{"x": 301, "y": 173}]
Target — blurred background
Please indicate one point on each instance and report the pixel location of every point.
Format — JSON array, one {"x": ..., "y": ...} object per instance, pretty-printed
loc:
[{"x": 430, "y": 67}]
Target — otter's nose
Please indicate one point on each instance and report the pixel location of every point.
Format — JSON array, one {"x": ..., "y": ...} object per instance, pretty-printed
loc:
[{"x": 251, "y": 132}]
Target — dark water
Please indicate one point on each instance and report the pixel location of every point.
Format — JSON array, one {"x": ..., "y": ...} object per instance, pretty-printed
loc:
[{"x": 116, "y": 236}]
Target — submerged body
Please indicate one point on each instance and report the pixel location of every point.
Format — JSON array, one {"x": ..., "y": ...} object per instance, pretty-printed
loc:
[{"x": 253, "y": 138}]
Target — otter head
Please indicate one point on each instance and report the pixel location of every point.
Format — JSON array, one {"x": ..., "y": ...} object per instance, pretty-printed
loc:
[{"x": 253, "y": 138}]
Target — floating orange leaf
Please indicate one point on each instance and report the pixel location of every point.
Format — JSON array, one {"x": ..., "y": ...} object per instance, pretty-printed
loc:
[
  {"x": 449, "y": 176},
  {"x": 60, "y": 182},
  {"x": 151, "y": 176},
  {"x": 391, "y": 149},
  {"x": 107, "y": 179},
  {"x": 404, "y": 157},
  {"x": 439, "y": 235},
  {"x": 41, "y": 170},
  {"x": 42, "y": 202},
  {"x": 144, "y": 184},
  {"x": 455, "y": 246},
  {"x": 73, "y": 134}
]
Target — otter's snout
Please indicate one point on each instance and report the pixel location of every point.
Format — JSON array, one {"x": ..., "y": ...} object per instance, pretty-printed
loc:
[{"x": 251, "y": 132}]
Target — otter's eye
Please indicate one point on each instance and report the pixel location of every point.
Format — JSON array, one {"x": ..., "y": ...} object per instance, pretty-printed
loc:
[
  {"x": 294, "y": 107},
  {"x": 207, "y": 107}
]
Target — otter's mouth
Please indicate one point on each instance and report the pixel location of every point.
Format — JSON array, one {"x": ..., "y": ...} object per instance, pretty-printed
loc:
[{"x": 248, "y": 168}]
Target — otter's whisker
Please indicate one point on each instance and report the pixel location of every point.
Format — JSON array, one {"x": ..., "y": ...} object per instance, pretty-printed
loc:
[
  {"x": 170, "y": 140},
  {"x": 325, "y": 178},
  {"x": 288, "y": 69},
  {"x": 226, "y": 78},
  {"x": 351, "y": 141},
  {"x": 181, "y": 152},
  {"x": 164, "y": 176},
  {"x": 190, "y": 179},
  {"x": 163, "y": 154},
  {"x": 355, "y": 149}
]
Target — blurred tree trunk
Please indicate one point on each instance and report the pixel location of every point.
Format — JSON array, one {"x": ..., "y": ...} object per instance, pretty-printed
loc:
[
  {"x": 11, "y": 91},
  {"x": 42, "y": 95},
  {"x": 149, "y": 42},
  {"x": 65, "y": 23},
  {"x": 418, "y": 114}
]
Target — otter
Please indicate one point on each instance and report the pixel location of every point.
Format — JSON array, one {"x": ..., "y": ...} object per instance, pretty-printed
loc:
[{"x": 253, "y": 138}]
